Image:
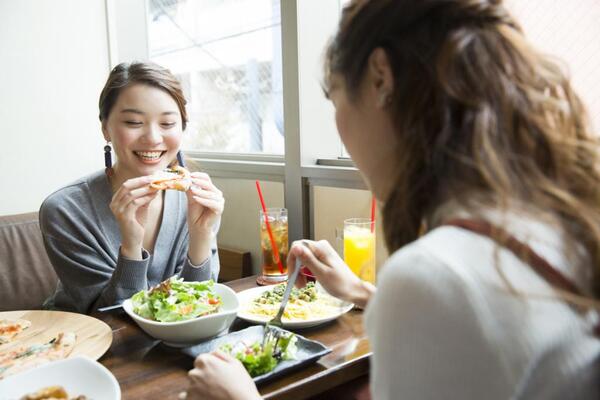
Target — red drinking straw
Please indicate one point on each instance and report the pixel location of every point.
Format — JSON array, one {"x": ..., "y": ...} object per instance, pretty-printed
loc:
[
  {"x": 273, "y": 245},
  {"x": 372, "y": 214}
]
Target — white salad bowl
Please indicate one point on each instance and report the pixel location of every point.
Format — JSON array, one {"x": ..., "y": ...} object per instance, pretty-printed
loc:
[{"x": 182, "y": 333}]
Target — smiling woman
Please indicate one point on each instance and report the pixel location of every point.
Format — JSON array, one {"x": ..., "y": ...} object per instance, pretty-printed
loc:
[{"x": 112, "y": 234}]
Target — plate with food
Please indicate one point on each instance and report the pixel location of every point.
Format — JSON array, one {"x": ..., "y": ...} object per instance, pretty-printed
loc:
[
  {"x": 306, "y": 307},
  {"x": 181, "y": 313},
  {"x": 283, "y": 353},
  {"x": 77, "y": 378},
  {"x": 33, "y": 338}
]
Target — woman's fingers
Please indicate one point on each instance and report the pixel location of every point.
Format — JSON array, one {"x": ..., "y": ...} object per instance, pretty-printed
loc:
[
  {"x": 215, "y": 206},
  {"x": 195, "y": 374},
  {"x": 207, "y": 360},
  {"x": 291, "y": 263},
  {"x": 206, "y": 185},
  {"x": 129, "y": 208},
  {"x": 132, "y": 195},
  {"x": 322, "y": 251},
  {"x": 130, "y": 185},
  {"x": 201, "y": 175},
  {"x": 213, "y": 375},
  {"x": 201, "y": 361},
  {"x": 306, "y": 257},
  {"x": 206, "y": 194},
  {"x": 311, "y": 261},
  {"x": 210, "y": 199},
  {"x": 223, "y": 356}
]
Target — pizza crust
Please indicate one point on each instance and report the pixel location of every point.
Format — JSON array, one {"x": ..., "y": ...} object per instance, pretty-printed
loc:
[
  {"x": 10, "y": 329},
  {"x": 27, "y": 357}
]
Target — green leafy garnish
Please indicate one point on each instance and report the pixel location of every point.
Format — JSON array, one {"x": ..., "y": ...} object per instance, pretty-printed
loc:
[{"x": 259, "y": 360}]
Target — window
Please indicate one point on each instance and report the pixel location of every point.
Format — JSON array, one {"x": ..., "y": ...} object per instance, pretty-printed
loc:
[{"x": 227, "y": 54}]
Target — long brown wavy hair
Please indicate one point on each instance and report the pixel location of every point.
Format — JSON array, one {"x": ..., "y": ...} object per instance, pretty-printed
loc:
[{"x": 476, "y": 110}]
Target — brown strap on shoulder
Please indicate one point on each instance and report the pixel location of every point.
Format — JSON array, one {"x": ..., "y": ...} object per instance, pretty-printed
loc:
[
  {"x": 522, "y": 251},
  {"x": 525, "y": 253}
]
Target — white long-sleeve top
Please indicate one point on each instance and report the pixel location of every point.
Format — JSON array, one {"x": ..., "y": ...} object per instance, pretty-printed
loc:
[{"x": 444, "y": 325}]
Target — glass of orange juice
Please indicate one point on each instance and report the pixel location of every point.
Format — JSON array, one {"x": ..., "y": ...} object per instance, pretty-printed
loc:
[{"x": 359, "y": 247}]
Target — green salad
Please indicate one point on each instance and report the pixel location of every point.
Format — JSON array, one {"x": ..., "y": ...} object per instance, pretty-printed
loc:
[
  {"x": 259, "y": 360},
  {"x": 176, "y": 300}
]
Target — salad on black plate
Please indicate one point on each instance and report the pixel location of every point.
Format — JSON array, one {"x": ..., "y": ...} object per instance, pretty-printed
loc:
[{"x": 259, "y": 358}]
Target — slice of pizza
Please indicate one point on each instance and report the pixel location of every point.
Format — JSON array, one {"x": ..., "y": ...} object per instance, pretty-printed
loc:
[
  {"x": 27, "y": 357},
  {"x": 10, "y": 329},
  {"x": 176, "y": 178}
]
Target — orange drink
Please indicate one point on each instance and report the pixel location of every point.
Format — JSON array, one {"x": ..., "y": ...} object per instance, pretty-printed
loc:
[
  {"x": 359, "y": 248},
  {"x": 278, "y": 223}
]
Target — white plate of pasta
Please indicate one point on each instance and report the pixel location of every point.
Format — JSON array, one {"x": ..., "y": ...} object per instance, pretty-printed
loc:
[{"x": 307, "y": 307}]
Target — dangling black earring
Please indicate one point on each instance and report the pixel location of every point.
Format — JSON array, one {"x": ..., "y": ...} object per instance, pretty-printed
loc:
[
  {"x": 108, "y": 160},
  {"x": 180, "y": 159}
]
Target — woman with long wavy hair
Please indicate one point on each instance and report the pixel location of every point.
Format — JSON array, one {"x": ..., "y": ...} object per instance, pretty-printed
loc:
[{"x": 488, "y": 172}]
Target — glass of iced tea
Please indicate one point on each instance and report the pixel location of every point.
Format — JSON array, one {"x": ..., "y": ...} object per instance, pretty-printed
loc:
[{"x": 278, "y": 221}]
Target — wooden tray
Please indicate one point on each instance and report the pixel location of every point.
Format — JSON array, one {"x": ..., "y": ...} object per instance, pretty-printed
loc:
[{"x": 94, "y": 337}]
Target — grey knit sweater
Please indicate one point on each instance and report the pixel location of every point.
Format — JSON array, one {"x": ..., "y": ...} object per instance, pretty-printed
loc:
[{"x": 82, "y": 239}]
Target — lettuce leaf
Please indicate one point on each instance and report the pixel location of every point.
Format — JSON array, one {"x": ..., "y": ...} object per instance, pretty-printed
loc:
[{"x": 176, "y": 300}]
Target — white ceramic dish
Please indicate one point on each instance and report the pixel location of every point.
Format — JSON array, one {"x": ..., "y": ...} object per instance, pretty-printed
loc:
[
  {"x": 78, "y": 376},
  {"x": 183, "y": 333},
  {"x": 246, "y": 297}
]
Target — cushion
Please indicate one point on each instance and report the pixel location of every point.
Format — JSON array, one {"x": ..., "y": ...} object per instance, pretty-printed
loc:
[{"x": 26, "y": 274}]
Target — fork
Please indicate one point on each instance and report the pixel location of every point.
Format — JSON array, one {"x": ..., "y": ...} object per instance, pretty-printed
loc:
[{"x": 269, "y": 332}]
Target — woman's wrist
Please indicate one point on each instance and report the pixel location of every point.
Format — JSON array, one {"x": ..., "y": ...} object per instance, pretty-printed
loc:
[
  {"x": 199, "y": 247},
  {"x": 362, "y": 293},
  {"x": 132, "y": 252}
]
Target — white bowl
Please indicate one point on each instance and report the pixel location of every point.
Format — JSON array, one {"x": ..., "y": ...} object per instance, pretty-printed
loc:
[
  {"x": 77, "y": 375},
  {"x": 191, "y": 331}
]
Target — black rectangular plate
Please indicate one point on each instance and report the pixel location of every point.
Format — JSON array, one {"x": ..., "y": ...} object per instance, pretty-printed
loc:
[{"x": 309, "y": 351}]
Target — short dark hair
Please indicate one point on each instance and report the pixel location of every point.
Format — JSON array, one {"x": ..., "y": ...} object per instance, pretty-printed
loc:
[{"x": 147, "y": 73}]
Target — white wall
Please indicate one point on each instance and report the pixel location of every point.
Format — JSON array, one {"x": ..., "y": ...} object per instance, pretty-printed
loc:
[
  {"x": 569, "y": 30},
  {"x": 54, "y": 60}
]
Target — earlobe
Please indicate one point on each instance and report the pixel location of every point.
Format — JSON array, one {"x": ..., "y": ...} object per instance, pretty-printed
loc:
[
  {"x": 105, "y": 132},
  {"x": 384, "y": 99}
]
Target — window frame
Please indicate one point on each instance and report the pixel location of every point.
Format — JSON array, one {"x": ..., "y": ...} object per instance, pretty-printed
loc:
[{"x": 311, "y": 155}]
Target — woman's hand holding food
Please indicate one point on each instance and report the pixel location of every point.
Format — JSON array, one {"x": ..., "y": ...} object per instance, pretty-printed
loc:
[
  {"x": 130, "y": 207},
  {"x": 219, "y": 376},
  {"x": 205, "y": 205},
  {"x": 330, "y": 271}
]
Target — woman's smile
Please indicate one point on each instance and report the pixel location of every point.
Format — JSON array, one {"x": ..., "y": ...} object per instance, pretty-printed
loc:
[{"x": 150, "y": 157}]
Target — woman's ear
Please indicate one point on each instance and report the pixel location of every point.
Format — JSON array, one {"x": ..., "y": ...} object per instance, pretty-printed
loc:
[
  {"x": 105, "y": 132},
  {"x": 381, "y": 77}
]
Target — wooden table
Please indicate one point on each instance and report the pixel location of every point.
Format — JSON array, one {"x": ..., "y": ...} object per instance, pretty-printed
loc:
[{"x": 147, "y": 369}]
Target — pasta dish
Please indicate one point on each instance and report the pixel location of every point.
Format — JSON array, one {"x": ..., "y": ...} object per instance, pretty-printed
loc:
[{"x": 304, "y": 304}]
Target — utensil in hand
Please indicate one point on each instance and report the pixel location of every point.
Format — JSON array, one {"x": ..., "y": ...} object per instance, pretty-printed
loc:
[
  {"x": 286, "y": 295},
  {"x": 270, "y": 333}
]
